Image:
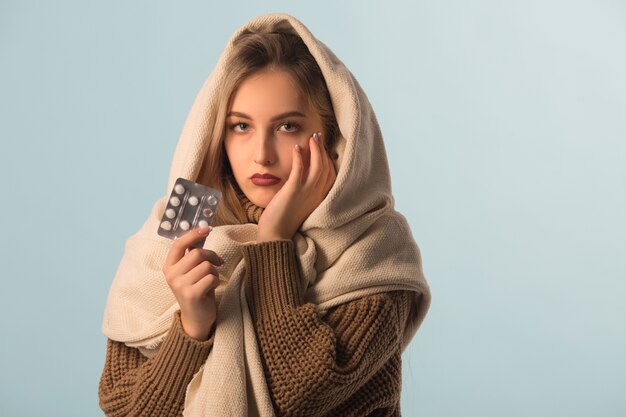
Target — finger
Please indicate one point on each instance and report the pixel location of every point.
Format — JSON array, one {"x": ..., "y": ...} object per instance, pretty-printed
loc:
[
  {"x": 330, "y": 174},
  {"x": 323, "y": 158},
  {"x": 316, "y": 172},
  {"x": 315, "y": 163},
  {"x": 197, "y": 273},
  {"x": 325, "y": 179},
  {"x": 193, "y": 258},
  {"x": 180, "y": 245},
  {"x": 297, "y": 167},
  {"x": 207, "y": 283},
  {"x": 210, "y": 256},
  {"x": 332, "y": 171}
]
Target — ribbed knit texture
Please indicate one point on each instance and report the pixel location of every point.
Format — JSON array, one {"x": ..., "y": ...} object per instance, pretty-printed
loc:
[
  {"x": 133, "y": 385},
  {"x": 346, "y": 363}
]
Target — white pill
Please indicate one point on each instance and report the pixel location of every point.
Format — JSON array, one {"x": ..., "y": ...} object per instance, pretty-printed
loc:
[
  {"x": 170, "y": 213},
  {"x": 179, "y": 189},
  {"x": 175, "y": 201},
  {"x": 193, "y": 200},
  {"x": 212, "y": 200},
  {"x": 184, "y": 225},
  {"x": 207, "y": 212},
  {"x": 166, "y": 225},
  {"x": 203, "y": 223}
]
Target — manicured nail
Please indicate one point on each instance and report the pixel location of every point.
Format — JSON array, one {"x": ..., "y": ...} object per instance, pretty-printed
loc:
[{"x": 204, "y": 230}]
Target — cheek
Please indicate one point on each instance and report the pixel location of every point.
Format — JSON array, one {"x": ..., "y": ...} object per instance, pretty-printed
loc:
[
  {"x": 235, "y": 154},
  {"x": 286, "y": 156}
]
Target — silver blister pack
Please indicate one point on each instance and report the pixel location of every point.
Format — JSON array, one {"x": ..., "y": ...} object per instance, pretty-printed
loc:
[{"x": 190, "y": 205}]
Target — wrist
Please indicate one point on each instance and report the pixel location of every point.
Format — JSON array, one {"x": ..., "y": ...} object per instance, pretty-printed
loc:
[
  {"x": 265, "y": 239},
  {"x": 271, "y": 236},
  {"x": 197, "y": 331}
]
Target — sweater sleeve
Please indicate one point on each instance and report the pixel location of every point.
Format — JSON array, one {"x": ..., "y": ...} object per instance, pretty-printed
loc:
[
  {"x": 345, "y": 363},
  {"x": 133, "y": 385}
]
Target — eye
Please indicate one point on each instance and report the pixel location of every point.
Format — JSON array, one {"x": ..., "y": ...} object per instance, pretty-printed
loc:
[
  {"x": 239, "y": 126},
  {"x": 289, "y": 127}
]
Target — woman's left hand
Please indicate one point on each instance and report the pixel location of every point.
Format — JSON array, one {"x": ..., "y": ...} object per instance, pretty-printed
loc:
[{"x": 301, "y": 194}]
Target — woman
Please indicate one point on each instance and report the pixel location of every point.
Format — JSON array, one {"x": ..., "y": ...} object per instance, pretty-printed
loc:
[{"x": 310, "y": 285}]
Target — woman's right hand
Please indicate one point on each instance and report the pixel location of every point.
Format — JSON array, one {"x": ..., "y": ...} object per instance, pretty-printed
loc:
[{"x": 193, "y": 277}]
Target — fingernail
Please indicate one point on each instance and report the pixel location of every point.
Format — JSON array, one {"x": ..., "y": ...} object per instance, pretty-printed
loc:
[
  {"x": 298, "y": 148},
  {"x": 204, "y": 230}
]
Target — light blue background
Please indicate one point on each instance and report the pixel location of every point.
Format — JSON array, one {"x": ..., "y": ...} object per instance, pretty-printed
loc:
[{"x": 505, "y": 126}]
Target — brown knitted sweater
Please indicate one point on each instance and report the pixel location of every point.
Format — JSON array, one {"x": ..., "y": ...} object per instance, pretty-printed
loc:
[{"x": 344, "y": 363}]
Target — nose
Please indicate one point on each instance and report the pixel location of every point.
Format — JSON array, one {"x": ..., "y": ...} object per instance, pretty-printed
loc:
[{"x": 266, "y": 153}]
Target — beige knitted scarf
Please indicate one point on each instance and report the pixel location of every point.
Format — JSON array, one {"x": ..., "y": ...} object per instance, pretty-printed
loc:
[{"x": 353, "y": 245}]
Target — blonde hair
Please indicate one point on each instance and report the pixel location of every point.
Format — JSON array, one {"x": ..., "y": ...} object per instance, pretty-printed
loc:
[{"x": 254, "y": 52}]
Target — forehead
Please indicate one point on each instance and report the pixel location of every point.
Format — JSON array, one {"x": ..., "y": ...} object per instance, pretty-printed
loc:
[{"x": 268, "y": 92}]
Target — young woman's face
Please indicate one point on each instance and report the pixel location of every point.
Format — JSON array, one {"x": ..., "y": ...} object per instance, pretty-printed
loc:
[{"x": 266, "y": 119}]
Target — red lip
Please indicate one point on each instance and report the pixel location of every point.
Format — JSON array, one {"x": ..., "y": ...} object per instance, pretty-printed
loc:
[
  {"x": 265, "y": 176},
  {"x": 264, "y": 180}
]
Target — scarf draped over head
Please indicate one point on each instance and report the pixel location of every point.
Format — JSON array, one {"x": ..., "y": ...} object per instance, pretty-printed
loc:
[{"x": 352, "y": 245}]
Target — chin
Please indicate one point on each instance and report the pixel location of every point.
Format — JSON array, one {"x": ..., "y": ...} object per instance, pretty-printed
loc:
[{"x": 261, "y": 199}]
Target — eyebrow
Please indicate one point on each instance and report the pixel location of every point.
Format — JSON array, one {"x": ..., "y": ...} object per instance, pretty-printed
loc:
[{"x": 275, "y": 118}]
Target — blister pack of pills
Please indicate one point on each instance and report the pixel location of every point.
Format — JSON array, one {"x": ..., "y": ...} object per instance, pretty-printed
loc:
[{"x": 190, "y": 205}]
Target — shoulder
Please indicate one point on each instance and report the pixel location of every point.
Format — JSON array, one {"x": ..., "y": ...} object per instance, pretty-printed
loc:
[
  {"x": 397, "y": 304},
  {"x": 395, "y": 298}
]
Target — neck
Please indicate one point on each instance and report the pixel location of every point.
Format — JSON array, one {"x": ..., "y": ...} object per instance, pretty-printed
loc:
[{"x": 253, "y": 212}]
